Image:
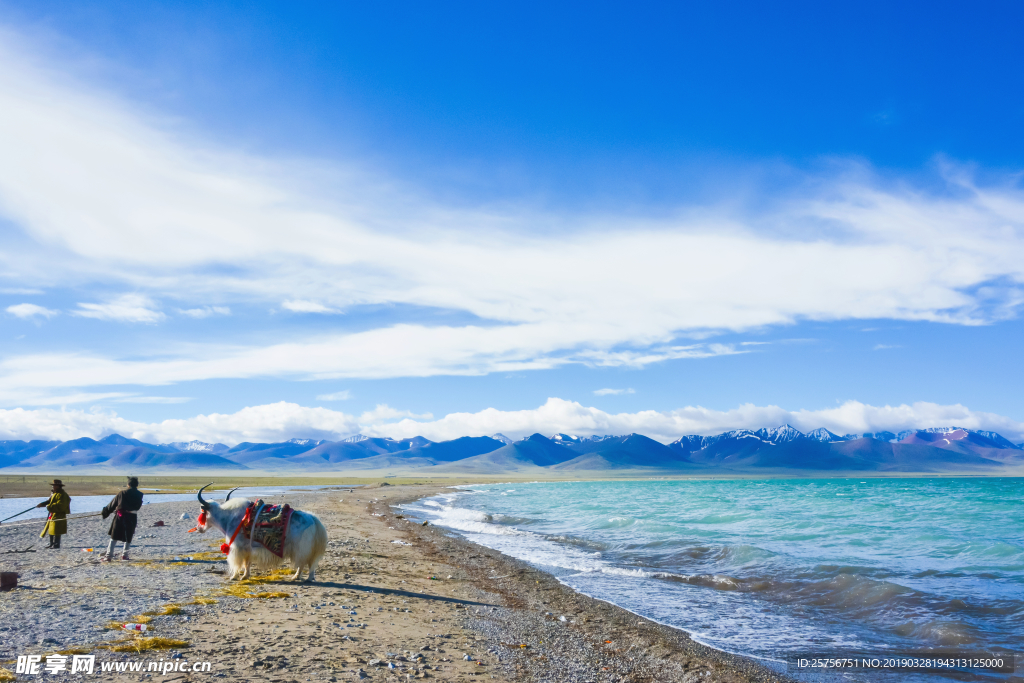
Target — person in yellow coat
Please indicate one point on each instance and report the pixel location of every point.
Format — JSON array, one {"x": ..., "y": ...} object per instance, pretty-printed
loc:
[{"x": 59, "y": 506}]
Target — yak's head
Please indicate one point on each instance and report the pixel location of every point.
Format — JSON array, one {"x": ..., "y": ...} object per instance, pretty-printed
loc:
[{"x": 209, "y": 508}]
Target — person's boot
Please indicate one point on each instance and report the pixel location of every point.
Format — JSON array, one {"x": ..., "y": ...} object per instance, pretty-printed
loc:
[
  {"x": 56, "y": 542},
  {"x": 51, "y": 543}
]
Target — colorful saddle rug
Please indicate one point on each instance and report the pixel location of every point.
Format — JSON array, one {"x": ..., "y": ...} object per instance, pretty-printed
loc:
[{"x": 270, "y": 527}]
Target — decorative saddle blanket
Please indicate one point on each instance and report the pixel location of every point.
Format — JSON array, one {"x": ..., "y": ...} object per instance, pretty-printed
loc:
[{"x": 270, "y": 527}]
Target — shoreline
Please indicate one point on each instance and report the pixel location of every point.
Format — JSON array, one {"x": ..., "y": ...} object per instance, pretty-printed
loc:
[
  {"x": 394, "y": 600},
  {"x": 35, "y": 483},
  {"x": 655, "y": 651}
]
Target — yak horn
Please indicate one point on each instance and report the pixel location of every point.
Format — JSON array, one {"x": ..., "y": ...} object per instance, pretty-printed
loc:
[
  {"x": 228, "y": 497},
  {"x": 202, "y": 503}
]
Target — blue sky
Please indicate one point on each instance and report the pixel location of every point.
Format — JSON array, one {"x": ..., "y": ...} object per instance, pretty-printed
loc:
[{"x": 324, "y": 219}]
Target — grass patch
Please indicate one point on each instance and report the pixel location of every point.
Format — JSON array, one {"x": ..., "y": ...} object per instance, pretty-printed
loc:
[
  {"x": 6, "y": 675},
  {"x": 73, "y": 651},
  {"x": 142, "y": 644}
]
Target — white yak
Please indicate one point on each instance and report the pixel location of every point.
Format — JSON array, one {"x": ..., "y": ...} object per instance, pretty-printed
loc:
[{"x": 304, "y": 544}]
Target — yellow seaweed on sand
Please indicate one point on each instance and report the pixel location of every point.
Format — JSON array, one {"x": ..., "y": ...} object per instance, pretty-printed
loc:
[
  {"x": 143, "y": 643},
  {"x": 166, "y": 611},
  {"x": 241, "y": 589},
  {"x": 202, "y": 601}
]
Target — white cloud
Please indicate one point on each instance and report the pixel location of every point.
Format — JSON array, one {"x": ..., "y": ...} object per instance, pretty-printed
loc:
[
  {"x": 168, "y": 213},
  {"x": 612, "y": 392},
  {"x": 882, "y": 347},
  {"x": 272, "y": 422},
  {"x": 558, "y": 415},
  {"x": 281, "y": 421},
  {"x": 49, "y": 397},
  {"x": 385, "y": 412},
  {"x": 343, "y": 395},
  {"x": 29, "y": 311},
  {"x": 205, "y": 311},
  {"x": 299, "y": 306},
  {"x": 128, "y": 308},
  {"x": 154, "y": 399},
  {"x": 402, "y": 350}
]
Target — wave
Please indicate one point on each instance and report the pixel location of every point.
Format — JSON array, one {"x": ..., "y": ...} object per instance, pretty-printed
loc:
[
  {"x": 864, "y": 598},
  {"x": 716, "y": 563},
  {"x": 577, "y": 541},
  {"x": 617, "y": 522},
  {"x": 720, "y": 519},
  {"x": 940, "y": 632}
]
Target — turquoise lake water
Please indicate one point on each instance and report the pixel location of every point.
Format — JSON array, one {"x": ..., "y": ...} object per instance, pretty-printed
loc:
[{"x": 770, "y": 568}]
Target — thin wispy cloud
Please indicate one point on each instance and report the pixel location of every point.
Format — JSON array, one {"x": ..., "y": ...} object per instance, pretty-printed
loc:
[
  {"x": 612, "y": 392},
  {"x": 128, "y": 308},
  {"x": 300, "y": 306},
  {"x": 168, "y": 400},
  {"x": 405, "y": 350},
  {"x": 882, "y": 347},
  {"x": 30, "y": 311},
  {"x": 343, "y": 395},
  {"x": 281, "y": 421},
  {"x": 205, "y": 311}
]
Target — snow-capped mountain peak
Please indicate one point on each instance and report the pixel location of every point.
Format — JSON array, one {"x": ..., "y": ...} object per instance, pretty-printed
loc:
[
  {"x": 194, "y": 446},
  {"x": 823, "y": 435},
  {"x": 783, "y": 434},
  {"x": 306, "y": 442}
]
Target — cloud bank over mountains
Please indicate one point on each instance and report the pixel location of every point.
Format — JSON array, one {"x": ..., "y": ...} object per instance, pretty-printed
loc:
[
  {"x": 281, "y": 421},
  {"x": 171, "y": 220}
]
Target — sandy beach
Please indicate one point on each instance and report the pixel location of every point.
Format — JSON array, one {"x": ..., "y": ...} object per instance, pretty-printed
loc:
[{"x": 393, "y": 601}]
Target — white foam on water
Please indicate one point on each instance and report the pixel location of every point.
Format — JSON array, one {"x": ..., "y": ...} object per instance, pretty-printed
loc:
[
  {"x": 528, "y": 546},
  {"x": 622, "y": 571},
  {"x": 760, "y": 568}
]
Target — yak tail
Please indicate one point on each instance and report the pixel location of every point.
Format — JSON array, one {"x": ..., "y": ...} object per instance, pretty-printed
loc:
[
  {"x": 319, "y": 546},
  {"x": 309, "y": 546}
]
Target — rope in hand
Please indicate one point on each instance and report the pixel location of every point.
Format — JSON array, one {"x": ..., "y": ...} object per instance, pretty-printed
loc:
[{"x": 40, "y": 519}]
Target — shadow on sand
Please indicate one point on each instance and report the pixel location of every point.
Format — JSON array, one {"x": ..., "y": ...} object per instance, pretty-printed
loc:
[{"x": 382, "y": 591}]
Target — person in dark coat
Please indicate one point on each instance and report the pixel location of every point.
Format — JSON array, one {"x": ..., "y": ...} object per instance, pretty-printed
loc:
[
  {"x": 122, "y": 528},
  {"x": 59, "y": 507}
]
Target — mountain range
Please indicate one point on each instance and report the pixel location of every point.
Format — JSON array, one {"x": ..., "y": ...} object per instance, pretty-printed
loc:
[{"x": 778, "y": 450}]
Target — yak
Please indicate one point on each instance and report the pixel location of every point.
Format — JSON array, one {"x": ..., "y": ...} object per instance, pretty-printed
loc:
[{"x": 304, "y": 544}]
